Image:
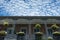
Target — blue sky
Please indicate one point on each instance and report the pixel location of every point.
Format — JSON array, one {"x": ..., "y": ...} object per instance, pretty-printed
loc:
[{"x": 29, "y": 7}]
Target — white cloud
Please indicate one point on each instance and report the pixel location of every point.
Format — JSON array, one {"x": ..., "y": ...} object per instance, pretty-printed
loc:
[{"x": 33, "y": 8}]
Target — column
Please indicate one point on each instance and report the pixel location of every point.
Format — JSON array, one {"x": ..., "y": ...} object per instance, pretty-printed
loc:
[
  {"x": 46, "y": 30},
  {"x": 29, "y": 30},
  {"x": 13, "y": 28}
]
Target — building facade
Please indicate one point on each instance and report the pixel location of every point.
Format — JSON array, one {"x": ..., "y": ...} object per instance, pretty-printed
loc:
[{"x": 27, "y": 24}]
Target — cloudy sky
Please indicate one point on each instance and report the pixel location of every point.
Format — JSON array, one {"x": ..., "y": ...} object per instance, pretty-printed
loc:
[{"x": 29, "y": 7}]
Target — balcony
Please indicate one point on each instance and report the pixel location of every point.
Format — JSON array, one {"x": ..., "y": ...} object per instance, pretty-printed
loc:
[{"x": 27, "y": 37}]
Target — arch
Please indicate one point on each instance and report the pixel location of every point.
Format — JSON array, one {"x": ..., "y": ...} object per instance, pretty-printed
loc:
[
  {"x": 10, "y": 21},
  {"x": 34, "y": 21},
  {"x": 52, "y": 21},
  {"x": 22, "y": 21}
]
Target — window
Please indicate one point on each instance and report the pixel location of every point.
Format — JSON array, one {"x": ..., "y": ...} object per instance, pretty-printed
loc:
[
  {"x": 10, "y": 31},
  {"x": 50, "y": 31},
  {"x": 23, "y": 30},
  {"x": 36, "y": 30}
]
